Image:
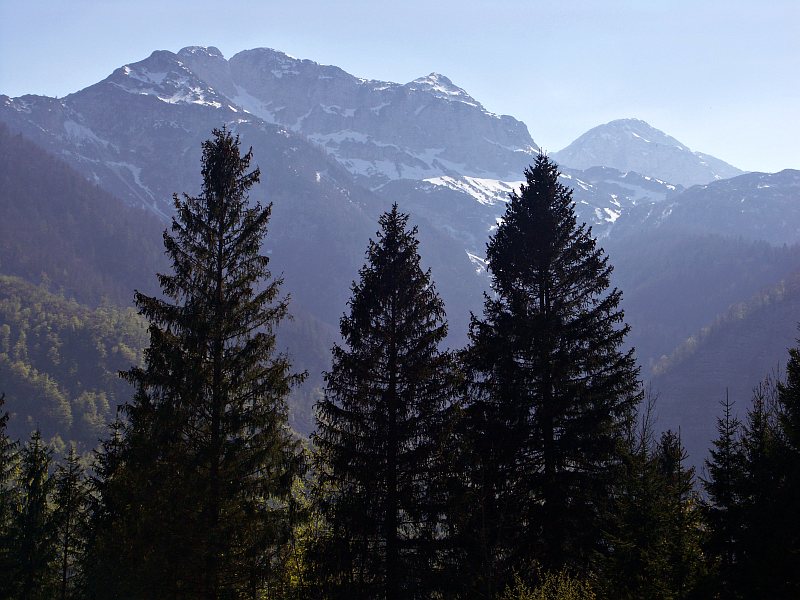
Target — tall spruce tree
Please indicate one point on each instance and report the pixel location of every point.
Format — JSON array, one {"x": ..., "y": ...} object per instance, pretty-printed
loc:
[
  {"x": 199, "y": 484},
  {"x": 682, "y": 517},
  {"x": 379, "y": 422},
  {"x": 789, "y": 465},
  {"x": 553, "y": 389},
  {"x": 9, "y": 461},
  {"x": 33, "y": 526},
  {"x": 722, "y": 507},
  {"x": 71, "y": 499}
]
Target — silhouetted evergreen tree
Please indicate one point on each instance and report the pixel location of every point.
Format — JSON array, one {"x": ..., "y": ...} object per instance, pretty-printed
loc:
[
  {"x": 33, "y": 526},
  {"x": 198, "y": 494},
  {"x": 9, "y": 459},
  {"x": 553, "y": 389},
  {"x": 788, "y": 517},
  {"x": 638, "y": 565},
  {"x": 105, "y": 535},
  {"x": 682, "y": 518},
  {"x": 379, "y": 423},
  {"x": 70, "y": 521},
  {"x": 722, "y": 509},
  {"x": 755, "y": 545},
  {"x": 654, "y": 537},
  {"x": 763, "y": 539}
]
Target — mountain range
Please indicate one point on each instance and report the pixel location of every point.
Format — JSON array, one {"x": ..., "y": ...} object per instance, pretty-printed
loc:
[{"x": 690, "y": 235}]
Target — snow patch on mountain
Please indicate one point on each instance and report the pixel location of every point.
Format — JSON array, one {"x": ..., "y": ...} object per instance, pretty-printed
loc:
[
  {"x": 488, "y": 192},
  {"x": 145, "y": 76},
  {"x": 479, "y": 263},
  {"x": 255, "y": 106},
  {"x": 82, "y": 134},
  {"x": 406, "y": 166}
]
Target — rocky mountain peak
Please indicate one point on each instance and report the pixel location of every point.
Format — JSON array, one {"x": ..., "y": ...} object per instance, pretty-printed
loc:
[
  {"x": 441, "y": 87},
  {"x": 166, "y": 77},
  {"x": 208, "y": 51},
  {"x": 635, "y": 145},
  {"x": 210, "y": 65},
  {"x": 639, "y": 131}
]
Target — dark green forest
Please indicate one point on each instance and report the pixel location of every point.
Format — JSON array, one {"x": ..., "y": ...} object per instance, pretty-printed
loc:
[
  {"x": 63, "y": 359},
  {"x": 526, "y": 465}
]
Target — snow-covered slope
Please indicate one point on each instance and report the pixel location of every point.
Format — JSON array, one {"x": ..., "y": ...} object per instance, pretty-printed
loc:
[
  {"x": 379, "y": 130},
  {"x": 469, "y": 208},
  {"x": 634, "y": 145}
]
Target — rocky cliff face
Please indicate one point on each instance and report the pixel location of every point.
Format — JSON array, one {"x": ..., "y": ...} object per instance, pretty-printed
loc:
[{"x": 379, "y": 130}]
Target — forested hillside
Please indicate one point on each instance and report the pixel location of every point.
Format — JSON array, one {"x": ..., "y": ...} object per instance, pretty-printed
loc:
[
  {"x": 731, "y": 356},
  {"x": 70, "y": 238},
  {"x": 59, "y": 228},
  {"x": 677, "y": 282},
  {"x": 59, "y": 361}
]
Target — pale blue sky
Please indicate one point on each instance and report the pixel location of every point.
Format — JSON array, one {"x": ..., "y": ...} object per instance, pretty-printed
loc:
[{"x": 723, "y": 77}]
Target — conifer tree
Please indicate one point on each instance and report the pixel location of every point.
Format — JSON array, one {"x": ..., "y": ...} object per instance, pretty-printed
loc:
[
  {"x": 106, "y": 539},
  {"x": 788, "y": 459},
  {"x": 70, "y": 520},
  {"x": 33, "y": 530},
  {"x": 638, "y": 566},
  {"x": 751, "y": 516},
  {"x": 682, "y": 519},
  {"x": 654, "y": 538},
  {"x": 206, "y": 459},
  {"x": 763, "y": 543},
  {"x": 378, "y": 425},
  {"x": 553, "y": 389},
  {"x": 8, "y": 499},
  {"x": 722, "y": 508}
]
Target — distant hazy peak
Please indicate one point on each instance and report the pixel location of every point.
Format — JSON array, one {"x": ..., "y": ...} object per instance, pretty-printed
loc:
[
  {"x": 441, "y": 87},
  {"x": 641, "y": 130},
  {"x": 277, "y": 57},
  {"x": 635, "y": 145}
]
